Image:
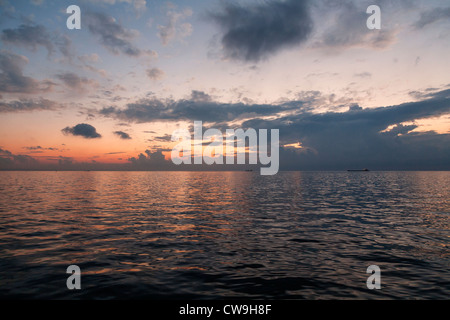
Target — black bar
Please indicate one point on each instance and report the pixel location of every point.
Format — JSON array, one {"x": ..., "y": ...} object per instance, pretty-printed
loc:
[{"x": 224, "y": 309}]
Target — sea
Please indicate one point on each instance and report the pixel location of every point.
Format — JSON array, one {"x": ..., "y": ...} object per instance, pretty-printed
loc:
[{"x": 225, "y": 235}]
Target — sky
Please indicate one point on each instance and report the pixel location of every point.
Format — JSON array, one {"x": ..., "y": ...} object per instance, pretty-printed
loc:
[{"x": 109, "y": 96}]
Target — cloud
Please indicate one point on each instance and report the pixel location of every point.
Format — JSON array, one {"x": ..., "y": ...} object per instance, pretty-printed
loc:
[
  {"x": 254, "y": 32},
  {"x": 84, "y": 130},
  {"x": 375, "y": 119},
  {"x": 8, "y": 160},
  {"x": 400, "y": 129},
  {"x": 122, "y": 135},
  {"x": 377, "y": 138},
  {"x": 358, "y": 137},
  {"x": 12, "y": 79},
  {"x": 432, "y": 16},
  {"x": 304, "y": 112},
  {"x": 200, "y": 96},
  {"x": 199, "y": 107},
  {"x": 363, "y": 75},
  {"x": 7, "y": 10},
  {"x": 30, "y": 37},
  {"x": 75, "y": 82},
  {"x": 39, "y": 148},
  {"x": 113, "y": 35},
  {"x": 25, "y": 105},
  {"x": 151, "y": 160},
  {"x": 417, "y": 61},
  {"x": 164, "y": 138},
  {"x": 173, "y": 30},
  {"x": 117, "y": 152},
  {"x": 64, "y": 44},
  {"x": 155, "y": 73},
  {"x": 5, "y": 152},
  {"x": 380, "y": 138},
  {"x": 355, "y": 108},
  {"x": 432, "y": 93},
  {"x": 65, "y": 161},
  {"x": 344, "y": 26},
  {"x": 89, "y": 59},
  {"x": 138, "y": 5},
  {"x": 34, "y": 36}
]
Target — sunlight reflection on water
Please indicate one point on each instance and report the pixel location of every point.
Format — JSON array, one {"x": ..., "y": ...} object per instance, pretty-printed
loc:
[{"x": 206, "y": 235}]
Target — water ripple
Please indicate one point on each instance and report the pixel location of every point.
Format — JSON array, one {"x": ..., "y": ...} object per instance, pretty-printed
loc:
[{"x": 205, "y": 235}]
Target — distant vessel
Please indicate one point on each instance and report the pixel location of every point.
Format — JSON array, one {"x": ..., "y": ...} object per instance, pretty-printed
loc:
[{"x": 365, "y": 169}]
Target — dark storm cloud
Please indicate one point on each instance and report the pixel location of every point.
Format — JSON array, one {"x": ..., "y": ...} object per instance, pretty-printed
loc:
[
  {"x": 375, "y": 137},
  {"x": 12, "y": 79},
  {"x": 413, "y": 151},
  {"x": 357, "y": 119},
  {"x": 358, "y": 138},
  {"x": 122, "y": 135},
  {"x": 113, "y": 35},
  {"x": 84, "y": 130},
  {"x": 203, "y": 108},
  {"x": 253, "y": 32}
]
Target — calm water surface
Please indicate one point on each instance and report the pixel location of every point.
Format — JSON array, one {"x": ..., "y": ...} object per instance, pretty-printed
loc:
[{"x": 211, "y": 235}]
